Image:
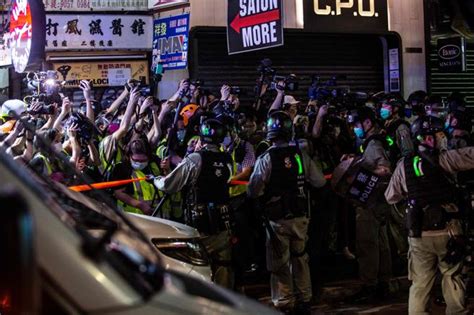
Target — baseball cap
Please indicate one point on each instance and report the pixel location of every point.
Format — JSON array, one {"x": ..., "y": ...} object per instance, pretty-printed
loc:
[{"x": 290, "y": 100}]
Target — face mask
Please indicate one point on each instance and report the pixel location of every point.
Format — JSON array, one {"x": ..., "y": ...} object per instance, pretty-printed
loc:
[
  {"x": 385, "y": 113},
  {"x": 408, "y": 112},
  {"x": 113, "y": 127},
  {"x": 181, "y": 134},
  {"x": 227, "y": 141},
  {"x": 138, "y": 166},
  {"x": 359, "y": 132},
  {"x": 337, "y": 131},
  {"x": 448, "y": 128}
]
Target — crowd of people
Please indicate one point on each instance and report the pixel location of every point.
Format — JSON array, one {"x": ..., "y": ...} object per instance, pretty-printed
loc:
[{"x": 254, "y": 176}]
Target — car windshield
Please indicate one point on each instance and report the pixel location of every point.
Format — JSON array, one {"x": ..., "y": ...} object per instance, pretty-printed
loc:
[{"x": 106, "y": 232}]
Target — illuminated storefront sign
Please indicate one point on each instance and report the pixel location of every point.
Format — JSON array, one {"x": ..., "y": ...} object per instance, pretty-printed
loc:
[
  {"x": 98, "y": 32},
  {"x": 27, "y": 33},
  {"x": 91, "y": 5},
  {"x": 102, "y": 74},
  {"x": 346, "y": 16}
]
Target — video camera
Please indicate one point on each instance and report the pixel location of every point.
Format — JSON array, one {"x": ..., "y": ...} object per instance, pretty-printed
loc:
[
  {"x": 143, "y": 87},
  {"x": 291, "y": 82},
  {"x": 327, "y": 91},
  {"x": 46, "y": 89}
]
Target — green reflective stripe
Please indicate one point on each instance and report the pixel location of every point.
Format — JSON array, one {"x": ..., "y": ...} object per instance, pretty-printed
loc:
[
  {"x": 390, "y": 141},
  {"x": 416, "y": 166},
  {"x": 300, "y": 164},
  {"x": 361, "y": 148}
]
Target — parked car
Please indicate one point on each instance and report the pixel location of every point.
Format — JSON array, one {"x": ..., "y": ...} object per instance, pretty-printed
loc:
[
  {"x": 179, "y": 245},
  {"x": 62, "y": 254}
]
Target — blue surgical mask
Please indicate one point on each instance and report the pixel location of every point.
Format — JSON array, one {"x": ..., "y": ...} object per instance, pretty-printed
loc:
[
  {"x": 448, "y": 128},
  {"x": 138, "y": 166},
  {"x": 227, "y": 141},
  {"x": 359, "y": 132},
  {"x": 408, "y": 112},
  {"x": 385, "y": 113}
]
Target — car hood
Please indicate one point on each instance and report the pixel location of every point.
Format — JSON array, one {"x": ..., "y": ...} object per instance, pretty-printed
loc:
[{"x": 161, "y": 228}]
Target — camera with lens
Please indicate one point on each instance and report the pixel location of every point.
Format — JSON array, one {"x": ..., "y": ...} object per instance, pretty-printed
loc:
[
  {"x": 144, "y": 88},
  {"x": 45, "y": 88},
  {"x": 291, "y": 82}
]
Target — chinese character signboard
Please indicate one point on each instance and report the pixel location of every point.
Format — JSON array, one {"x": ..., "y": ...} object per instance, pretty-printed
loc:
[
  {"x": 102, "y": 74},
  {"x": 452, "y": 54},
  {"x": 254, "y": 25},
  {"x": 161, "y": 4},
  {"x": 170, "y": 42},
  {"x": 352, "y": 16},
  {"x": 27, "y": 33},
  {"x": 91, "y": 5},
  {"x": 65, "y": 32}
]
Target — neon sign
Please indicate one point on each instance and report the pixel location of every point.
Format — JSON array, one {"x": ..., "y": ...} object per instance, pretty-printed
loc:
[{"x": 27, "y": 34}]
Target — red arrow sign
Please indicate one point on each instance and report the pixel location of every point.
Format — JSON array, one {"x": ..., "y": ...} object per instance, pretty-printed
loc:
[{"x": 269, "y": 16}]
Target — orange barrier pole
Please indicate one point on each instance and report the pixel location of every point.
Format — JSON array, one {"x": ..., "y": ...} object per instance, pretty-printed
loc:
[{"x": 105, "y": 185}]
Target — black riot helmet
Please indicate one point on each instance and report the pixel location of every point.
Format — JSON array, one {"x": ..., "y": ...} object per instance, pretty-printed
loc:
[
  {"x": 360, "y": 115},
  {"x": 212, "y": 131},
  {"x": 426, "y": 125},
  {"x": 279, "y": 126}
]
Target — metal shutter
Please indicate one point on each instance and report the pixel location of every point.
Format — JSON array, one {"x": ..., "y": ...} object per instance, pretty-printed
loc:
[{"x": 359, "y": 57}]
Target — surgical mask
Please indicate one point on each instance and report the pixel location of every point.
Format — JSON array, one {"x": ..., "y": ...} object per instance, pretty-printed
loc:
[
  {"x": 227, "y": 141},
  {"x": 113, "y": 127},
  {"x": 359, "y": 132},
  {"x": 448, "y": 128},
  {"x": 408, "y": 112},
  {"x": 385, "y": 113},
  {"x": 181, "y": 134},
  {"x": 138, "y": 166}
]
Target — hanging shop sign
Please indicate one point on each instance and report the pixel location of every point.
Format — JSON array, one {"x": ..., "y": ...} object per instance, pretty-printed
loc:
[
  {"x": 66, "y": 32},
  {"x": 170, "y": 42},
  {"x": 346, "y": 16},
  {"x": 102, "y": 74},
  {"x": 26, "y": 35},
  {"x": 254, "y": 25},
  {"x": 91, "y": 5},
  {"x": 162, "y": 4},
  {"x": 452, "y": 54}
]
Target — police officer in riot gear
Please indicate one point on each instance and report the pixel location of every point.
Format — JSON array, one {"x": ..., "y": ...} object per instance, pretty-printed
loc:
[
  {"x": 206, "y": 174},
  {"x": 433, "y": 218},
  {"x": 373, "y": 251},
  {"x": 279, "y": 181}
]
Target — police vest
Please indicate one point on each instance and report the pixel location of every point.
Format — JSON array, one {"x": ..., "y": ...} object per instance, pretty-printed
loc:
[
  {"x": 208, "y": 199},
  {"x": 377, "y": 137},
  {"x": 285, "y": 194},
  {"x": 238, "y": 155},
  {"x": 142, "y": 190},
  {"x": 426, "y": 183},
  {"x": 394, "y": 151}
]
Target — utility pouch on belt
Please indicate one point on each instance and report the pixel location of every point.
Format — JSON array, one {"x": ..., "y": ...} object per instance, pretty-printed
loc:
[
  {"x": 428, "y": 218},
  {"x": 211, "y": 219}
]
